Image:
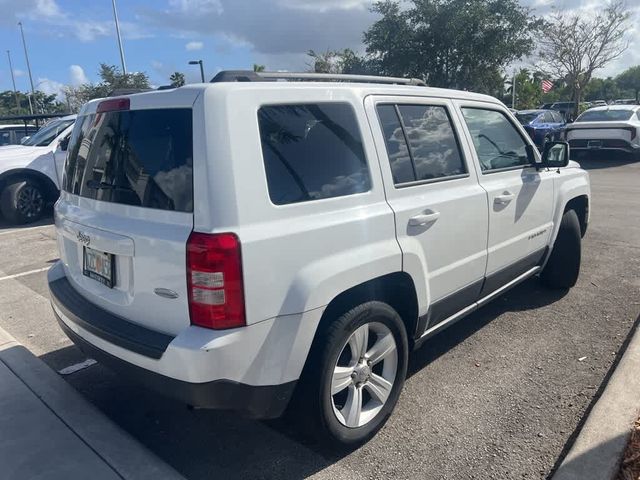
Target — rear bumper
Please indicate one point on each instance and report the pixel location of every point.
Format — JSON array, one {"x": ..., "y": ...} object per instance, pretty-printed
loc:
[
  {"x": 254, "y": 401},
  {"x": 253, "y": 369},
  {"x": 603, "y": 144}
]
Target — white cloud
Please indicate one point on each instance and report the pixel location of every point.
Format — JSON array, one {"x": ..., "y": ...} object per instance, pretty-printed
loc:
[
  {"x": 325, "y": 5},
  {"x": 191, "y": 46},
  {"x": 47, "y": 8},
  {"x": 51, "y": 87},
  {"x": 18, "y": 73},
  {"x": 200, "y": 6},
  {"x": 77, "y": 75}
]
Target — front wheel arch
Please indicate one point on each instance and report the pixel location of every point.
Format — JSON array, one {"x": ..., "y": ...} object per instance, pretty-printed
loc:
[{"x": 50, "y": 189}]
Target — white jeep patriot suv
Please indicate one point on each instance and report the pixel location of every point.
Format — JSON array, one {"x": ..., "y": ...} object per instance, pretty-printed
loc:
[{"x": 241, "y": 244}]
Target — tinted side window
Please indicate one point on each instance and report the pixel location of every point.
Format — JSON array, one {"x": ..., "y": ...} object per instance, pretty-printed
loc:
[
  {"x": 432, "y": 141},
  {"x": 497, "y": 142},
  {"x": 397, "y": 150},
  {"x": 312, "y": 151}
]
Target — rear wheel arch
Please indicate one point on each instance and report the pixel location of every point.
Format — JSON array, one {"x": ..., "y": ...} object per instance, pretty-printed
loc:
[{"x": 395, "y": 289}]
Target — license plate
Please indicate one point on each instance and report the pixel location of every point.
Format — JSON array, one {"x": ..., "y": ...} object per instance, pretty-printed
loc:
[
  {"x": 594, "y": 144},
  {"x": 99, "y": 266}
]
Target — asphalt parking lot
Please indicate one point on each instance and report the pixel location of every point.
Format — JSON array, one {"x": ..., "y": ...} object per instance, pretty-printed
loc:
[{"x": 499, "y": 395}]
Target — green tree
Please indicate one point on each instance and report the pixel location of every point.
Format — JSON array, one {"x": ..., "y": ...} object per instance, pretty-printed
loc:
[
  {"x": 574, "y": 46},
  {"x": 528, "y": 90},
  {"x": 450, "y": 43},
  {"x": 111, "y": 78},
  {"x": 340, "y": 61},
  {"x": 258, "y": 68},
  {"x": 601, "y": 89},
  {"x": 630, "y": 80},
  {"x": 42, "y": 103},
  {"x": 177, "y": 79}
]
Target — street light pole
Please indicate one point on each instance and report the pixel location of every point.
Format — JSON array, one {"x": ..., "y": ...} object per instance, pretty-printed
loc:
[
  {"x": 513, "y": 91},
  {"x": 13, "y": 80},
  {"x": 115, "y": 16},
  {"x": 26, "y": 56},
  {"x": 199, "y": 62}
]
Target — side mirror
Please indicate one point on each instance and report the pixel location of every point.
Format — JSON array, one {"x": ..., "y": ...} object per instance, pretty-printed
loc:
[
  {"x": 64, "y": 143},
  {"x": 555, "y": 155},
  {"x": 24, "y": 139}
]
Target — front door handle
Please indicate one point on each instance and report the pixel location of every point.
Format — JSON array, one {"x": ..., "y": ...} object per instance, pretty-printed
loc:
[
  {"x": 423, "y": 218},
  {"x": 503, "y": 199}
]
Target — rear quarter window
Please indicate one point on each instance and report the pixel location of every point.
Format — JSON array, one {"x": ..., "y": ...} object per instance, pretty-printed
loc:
[{"x": 312, "y": 151}]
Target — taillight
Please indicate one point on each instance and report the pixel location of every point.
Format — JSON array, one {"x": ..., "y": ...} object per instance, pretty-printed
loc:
[{"x": 214, "y": 280}]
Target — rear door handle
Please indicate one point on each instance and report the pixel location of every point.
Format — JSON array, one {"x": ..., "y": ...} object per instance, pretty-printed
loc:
[
  {"x": 503, "y": 199},
  {"x": 423, "y": 218}
]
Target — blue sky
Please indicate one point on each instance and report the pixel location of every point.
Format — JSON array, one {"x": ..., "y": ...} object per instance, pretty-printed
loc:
[{"x": 67, "y": 39}]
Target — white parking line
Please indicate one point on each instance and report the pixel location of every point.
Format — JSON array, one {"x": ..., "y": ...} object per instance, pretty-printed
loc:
[
  {"x": 77, "y": 367},
  {"x": 16, "y": 230},
  {"x": 16, "y": 275}
]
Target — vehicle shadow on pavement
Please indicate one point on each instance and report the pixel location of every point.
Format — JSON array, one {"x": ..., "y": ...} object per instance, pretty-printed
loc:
[
  {"x": 598, "y": 160},
  {"x": 200, "y": 444},
  {"x": 46, "y": 220},
  {"x": 529, "y": 295}
]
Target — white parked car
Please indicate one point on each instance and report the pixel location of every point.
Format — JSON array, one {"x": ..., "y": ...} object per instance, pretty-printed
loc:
[
  {"x": 615, "y": 127},
  {"x": 29, "y": 173},
  {"x": 14, "y": 133},
  {"x": 241, "y": 245}
]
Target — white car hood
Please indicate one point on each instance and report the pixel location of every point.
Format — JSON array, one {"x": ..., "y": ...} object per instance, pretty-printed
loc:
[{"x": 13, "y": 153}]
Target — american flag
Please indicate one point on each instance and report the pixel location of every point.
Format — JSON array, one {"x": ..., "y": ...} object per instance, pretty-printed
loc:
[{"x": 547, "y": 85}]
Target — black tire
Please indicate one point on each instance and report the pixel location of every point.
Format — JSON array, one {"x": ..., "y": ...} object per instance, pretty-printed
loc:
[
  {"x": 563, "y": 267},
  {"x": 22, "y": 200},
  {"x": 314, "y": 403}
]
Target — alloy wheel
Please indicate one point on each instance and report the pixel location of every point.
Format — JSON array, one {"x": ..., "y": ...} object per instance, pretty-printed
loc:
[{"x": 364, "y": 374}]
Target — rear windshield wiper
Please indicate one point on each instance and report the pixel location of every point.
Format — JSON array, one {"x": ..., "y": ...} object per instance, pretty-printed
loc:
[{"x": 94, "y": 184}]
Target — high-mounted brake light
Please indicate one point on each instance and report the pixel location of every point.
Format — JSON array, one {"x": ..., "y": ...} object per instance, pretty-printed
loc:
[
  {"x": 214, "y": 280},
  {"x": 113, "y": 105}
]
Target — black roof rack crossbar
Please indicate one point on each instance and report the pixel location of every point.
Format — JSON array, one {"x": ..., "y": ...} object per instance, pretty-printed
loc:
[{"x": 250, "y": 76}]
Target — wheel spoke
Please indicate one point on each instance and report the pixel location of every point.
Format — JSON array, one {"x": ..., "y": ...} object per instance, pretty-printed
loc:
[
  {"x": 383, "y": 347},
  {"x": 358, "y": 341},
  {"x": 341, "y": 379},
  {"x": 378, "y": 387},
  {"x": 353, "y": 407}
]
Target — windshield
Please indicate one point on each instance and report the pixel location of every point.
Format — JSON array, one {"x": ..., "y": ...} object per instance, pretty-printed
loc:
[
  {"x": 48, "y": 133},
  {"x": 526, "y": 118},
  {"x": 605, "y": 116}
]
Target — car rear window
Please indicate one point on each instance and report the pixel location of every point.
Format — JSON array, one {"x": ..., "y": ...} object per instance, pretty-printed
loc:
[
  {"x": 605, "y": 116},
  {"x": 133, "y": 157},
  {"x": 527, "y": 118},
  {"x": 312, "y": 151}
]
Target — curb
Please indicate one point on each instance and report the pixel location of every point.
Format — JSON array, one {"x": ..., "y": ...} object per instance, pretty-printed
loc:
[
  {"x": 598, "y": 449},
  {"x": 128, "y": 458}
]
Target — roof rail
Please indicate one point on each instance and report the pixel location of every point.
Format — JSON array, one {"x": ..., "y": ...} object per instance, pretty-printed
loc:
[{"x": 251, "y": 76}]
